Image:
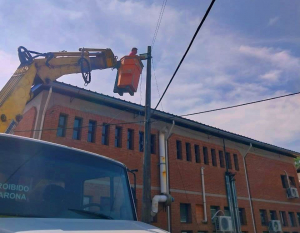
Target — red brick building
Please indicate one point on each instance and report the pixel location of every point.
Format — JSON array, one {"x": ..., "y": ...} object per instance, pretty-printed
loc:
[{"x": 191, "y": 146}]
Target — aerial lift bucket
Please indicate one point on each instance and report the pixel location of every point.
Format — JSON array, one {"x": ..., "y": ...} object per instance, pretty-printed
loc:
[{"x": 128, "y": 76}]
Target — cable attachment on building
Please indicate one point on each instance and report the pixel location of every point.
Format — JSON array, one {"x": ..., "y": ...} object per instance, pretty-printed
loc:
[{"x": 85, "y": 68}]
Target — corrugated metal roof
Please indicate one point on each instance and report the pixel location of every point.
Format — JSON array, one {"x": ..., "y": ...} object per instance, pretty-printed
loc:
[{"x": 79, "y": 92}]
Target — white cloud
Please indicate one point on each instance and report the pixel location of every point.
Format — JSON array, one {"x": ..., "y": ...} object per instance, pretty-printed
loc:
[
  {"x": 280, "y": 58},
  {"x": 219, "y": 73},
  {"x": 272, "y": 75},
  {"x": 8, "y": 65},
  {"x": 273, "y": 20},
  {"x": 276, "y": 122},
  {"x": 74, "y": 15}
]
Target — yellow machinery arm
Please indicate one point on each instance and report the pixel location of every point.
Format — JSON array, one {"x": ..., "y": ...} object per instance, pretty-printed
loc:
[{"x": 33, "y": 70}]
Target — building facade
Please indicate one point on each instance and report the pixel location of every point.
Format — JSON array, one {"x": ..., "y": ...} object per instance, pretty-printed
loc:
[{"x": 75, "y": 117}]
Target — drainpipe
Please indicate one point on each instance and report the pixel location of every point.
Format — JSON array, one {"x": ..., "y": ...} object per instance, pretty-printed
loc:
[
  {"x": 203, "y": 196},
  {"x": 156, "y": 199},
  {"x": 164, "y": 197},
  {"x": 248, "y": 187},
  {"x": 162, "y": 162},
  {"x": 44, "y": 112}
]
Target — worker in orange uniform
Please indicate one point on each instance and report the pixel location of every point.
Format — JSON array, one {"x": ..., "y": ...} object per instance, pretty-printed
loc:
[{"x": 133, "y": 52}]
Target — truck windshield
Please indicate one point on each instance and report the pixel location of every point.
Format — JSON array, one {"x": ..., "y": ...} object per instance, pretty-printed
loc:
[{"x": 42, "y": 180}]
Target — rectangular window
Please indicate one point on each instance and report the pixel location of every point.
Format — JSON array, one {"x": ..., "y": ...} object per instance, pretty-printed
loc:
[
  {"x": 221, "y": 157},
  {"x": 87, "y": 200},
  {"x": 92, "y": 131},
  {"x": 292, "y": 181},
  {"x": 118, "y": 137},
  {"x": 141, "y": 141},
  {"x": 188, "y": 151},
  {"x": 213, "y": 157},
  {"x": 283, "y": 218},
  {"x": 197, "y": 153},
  {"x": 103, "y": 189},
  {"x": 273, "y": 215},
  {"x": 179, "y": 149},
  {"x": 228, "y": 160},
  {"x": 153, "y": 144},
  {"x": 298, "y": 217},
  {"x": 205, "y": 155},
  {"x": 236, "y": 162},
  {"x": 213, "y": 211},
  {"x": 185, "y": 213},
  {"x": 284, "y": 181},
  {"x": 77, "y": 128},
  {"x": 62, "y": 125},
  {"x": 226, "y": 211},
  {"x": 242, "y": 214},
  {"x": 292, "y": 219},
  {"x": 130, "y": 139},
  {"x": 105, "y": 134},
  {"x": 263, "y": 217}
]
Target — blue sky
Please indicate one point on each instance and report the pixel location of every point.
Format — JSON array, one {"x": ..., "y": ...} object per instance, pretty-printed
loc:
[{"x": 246, "y": 51}]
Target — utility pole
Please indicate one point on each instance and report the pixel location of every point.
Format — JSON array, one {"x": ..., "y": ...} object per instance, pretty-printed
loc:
[{"x": 146, "y": 207}]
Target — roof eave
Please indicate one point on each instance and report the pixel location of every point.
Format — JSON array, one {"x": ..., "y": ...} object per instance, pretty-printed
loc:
[{"x": 70, "y": 90}]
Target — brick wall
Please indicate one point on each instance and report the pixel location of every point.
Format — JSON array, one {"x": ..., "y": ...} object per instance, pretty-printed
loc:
[
  {"x": 27, "y": 123},
  {"x": 277, "y": 207},
  {"x": 185, "y": 177},
  {"x": 132, "y": 158},
  {"x": 264, "y": 177}
]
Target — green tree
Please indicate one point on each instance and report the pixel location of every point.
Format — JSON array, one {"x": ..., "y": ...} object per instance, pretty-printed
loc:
[{"x": 297, "y": 162}]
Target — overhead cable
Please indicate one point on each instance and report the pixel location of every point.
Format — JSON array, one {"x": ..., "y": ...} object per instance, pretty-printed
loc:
[
  {"x": 159, "y": 21},
  {"x": 186, "y": 52},
  {"x": 184, "y": 115},
  {"x": 239, "y": 105},
  {"x": 157, "y": 88},
  {"x": 162, "y": 10}
]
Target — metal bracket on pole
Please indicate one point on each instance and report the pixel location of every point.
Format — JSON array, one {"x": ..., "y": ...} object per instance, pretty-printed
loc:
[{"x": 145, "y": 56}]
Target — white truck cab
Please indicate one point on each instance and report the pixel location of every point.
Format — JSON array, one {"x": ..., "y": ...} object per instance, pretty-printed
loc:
[{"x": 45, "y": 187}]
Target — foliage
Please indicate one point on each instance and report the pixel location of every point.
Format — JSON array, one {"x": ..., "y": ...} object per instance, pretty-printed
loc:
[{"x": 297, "y": 162}]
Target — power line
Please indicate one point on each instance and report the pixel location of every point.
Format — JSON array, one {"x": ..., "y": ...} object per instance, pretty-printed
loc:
[
  {"x": 153, "y": 121},
  {"x": 156, "y": 84},
  {"x": 154, "y": 39},
  {"x": 239, "y": 105},
  {"x": 186, "y": 52},
  {"x": 159, "y": 22}
]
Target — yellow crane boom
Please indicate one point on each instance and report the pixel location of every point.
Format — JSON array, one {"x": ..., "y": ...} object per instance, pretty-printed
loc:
[{"x": 46, "y": 67}]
